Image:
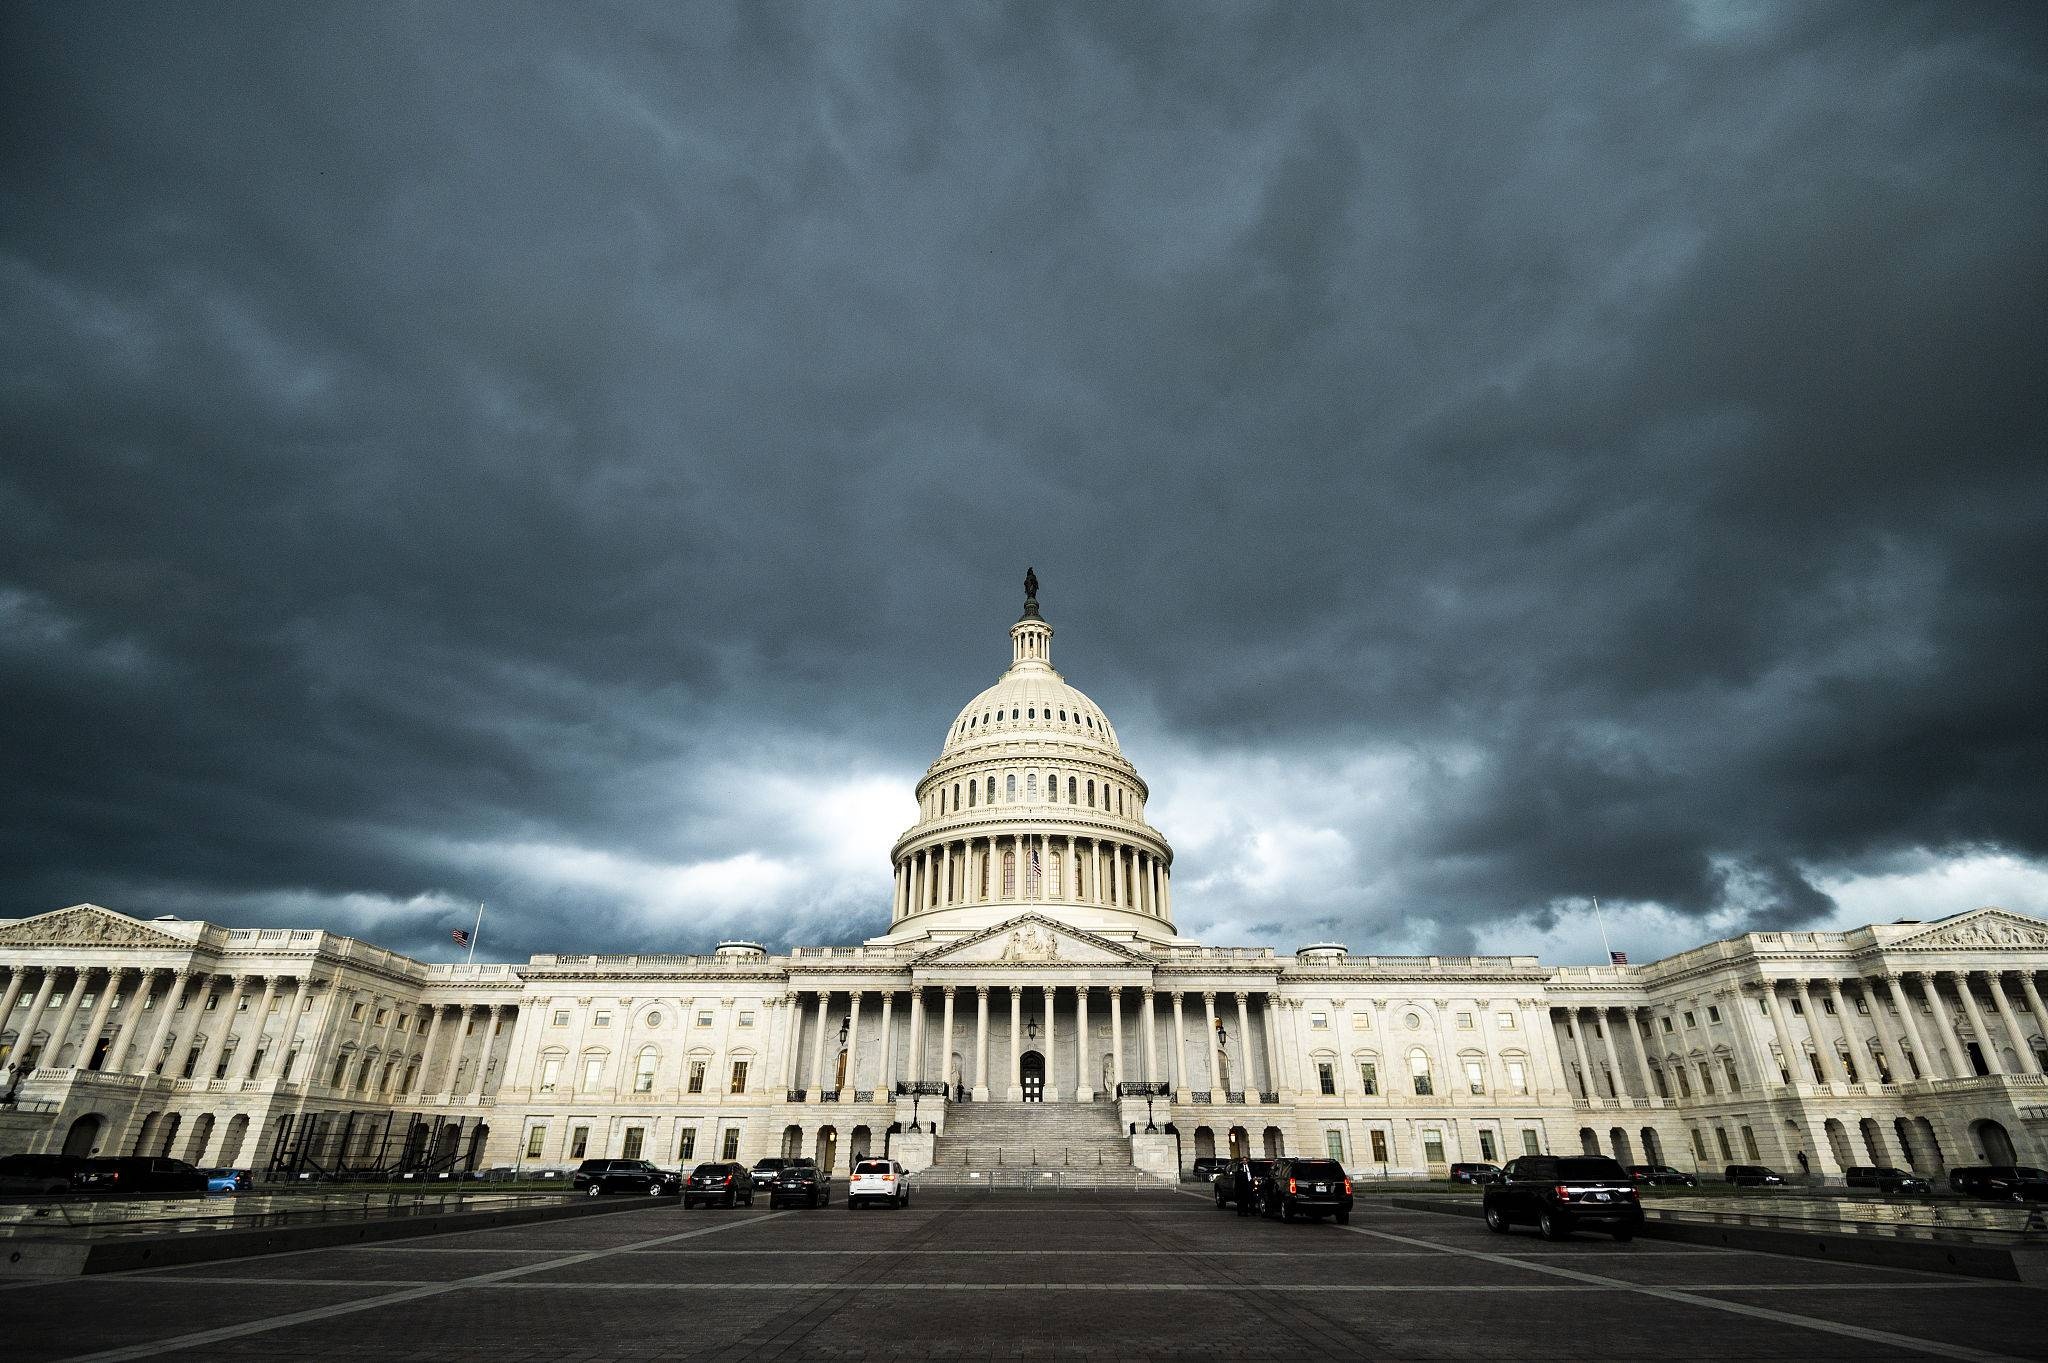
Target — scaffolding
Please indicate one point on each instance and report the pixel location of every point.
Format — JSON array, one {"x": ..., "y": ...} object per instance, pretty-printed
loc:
[{"x": 376, "y": 1145}]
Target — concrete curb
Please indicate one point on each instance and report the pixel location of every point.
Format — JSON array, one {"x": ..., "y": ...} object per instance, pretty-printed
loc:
[
  {"x": 2023, "y": 1264},
  {"x": 72, "y": 1256}
]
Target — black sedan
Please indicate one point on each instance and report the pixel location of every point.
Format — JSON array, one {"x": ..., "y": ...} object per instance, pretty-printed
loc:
[
  {"x": 800, "y": 1180},
  {"x": 1561, "y": 1193},
  {"x": 1886, "y": 1178},
  {"x": 723, "y": 1185},
  {"x": 1313, "y": 1188},
  {"x": 595, "y": 1176},
  {"x": 1662, "y": 1176},
  {"x": 1753, "y": 1176},
  {"x": 1473, "y": 1172},
  {"x": 2001, "y": 1182},
  {"x": 137, "y": 1176}
]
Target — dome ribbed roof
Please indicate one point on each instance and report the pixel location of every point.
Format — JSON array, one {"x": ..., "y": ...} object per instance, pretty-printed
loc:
[{"x": 1030, "y": 700}]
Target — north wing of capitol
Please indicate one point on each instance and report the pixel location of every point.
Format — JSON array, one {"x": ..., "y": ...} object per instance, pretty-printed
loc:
[{"x": 1031, "y": 1006}]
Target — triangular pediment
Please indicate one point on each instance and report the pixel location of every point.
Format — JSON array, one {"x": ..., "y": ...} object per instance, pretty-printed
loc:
[
  {"x": 1031, "y": 939},
  {"x": 1981, "y": 928},
  {"x": 86, "y": 925}
]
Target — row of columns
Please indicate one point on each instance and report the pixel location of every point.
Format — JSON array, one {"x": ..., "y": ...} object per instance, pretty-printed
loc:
[
  {"x": 823, "y": 1053},
  {"x": 1899, "y": 988},
  {"x": 970, "y": 871}
]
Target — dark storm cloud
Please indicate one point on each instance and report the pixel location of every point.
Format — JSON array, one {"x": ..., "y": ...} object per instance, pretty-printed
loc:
[{"x": 527, "y": 454}]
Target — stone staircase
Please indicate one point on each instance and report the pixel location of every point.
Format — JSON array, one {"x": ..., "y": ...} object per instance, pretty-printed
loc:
[{"x": 1072, "y": 1144}]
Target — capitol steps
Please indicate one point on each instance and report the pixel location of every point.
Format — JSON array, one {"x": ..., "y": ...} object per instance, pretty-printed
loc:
[{"x": 1077, "y": 1139}]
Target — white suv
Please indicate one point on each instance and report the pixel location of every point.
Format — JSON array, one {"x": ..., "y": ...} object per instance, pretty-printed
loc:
[{"x": 878, "y": 1180}]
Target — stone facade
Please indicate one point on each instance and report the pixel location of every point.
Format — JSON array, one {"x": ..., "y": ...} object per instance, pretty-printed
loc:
[{"x": 1031, "y": 956}]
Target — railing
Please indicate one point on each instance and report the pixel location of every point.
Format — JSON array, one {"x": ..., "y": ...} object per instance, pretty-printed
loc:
[
  {"x": 794, "y": 1096},
  {"x": 929, "y": 1088},
  {"x": 1144, "y": 1088},
  {"x": 828, "y": 1095},
  {"x": 863, "y": 1095},
  {"x": 1269, "y": 1095},
  {"x": 1200, "y": 1096},
  {"x": 1233, "y": 1095}
]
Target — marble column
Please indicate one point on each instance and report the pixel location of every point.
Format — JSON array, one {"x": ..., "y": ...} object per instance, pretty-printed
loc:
[
  {"x": 1604, "y": 1024},
  {"x": 1911, "y": 1026},
  {"x": 1987, "y": 1045},
  {"x": 17, "y": 976},
  {"x": 946, "y": 1039},
  {"x": 483, "y": 1059},
  {"x": 1276, "y": 1075},
  {"x": 256, "y": 1049},
  {"x": 1824, "y": 1049},
  {"x": 886, "y": 1084},
  {"x": 1116, "y": 1038},
  {"x": 132, "y": 1018},
  {"x": 1999, "y": 1001},
  {"x": 2033, "y": 996},
  {"x": 1250, "y": 1081},
  {"x": 74, "y": 994},
  {"x": 1857, "y": 1057},
  {"x": 1084, "y": 1078},
  {"x": 1636, "y": 1031},
  {"x": 916, "y": 1068},
  {"x": 110, "y": 988},
  {"x": 427, "y": 1044},
  {"x": 851, "y": 1085},
  {"x": 1051, "y": 1052},
  {"x": 1959, "y": 1066},
  {"x": 981, "y": 1086},
  {"x": 1209, "y": 1044},
  {"x": 821, "y": 1057},
  {"x": 1016, "y": 1090},
  {"x": 25, "y": 1038},
  {"x": 1153, "y": 1072},
  {"x": 1589, "y": 1083},
  {"x": 181, "y": 983},
  {"x": 217, "y": 1043},
  {"x": 1179, "y": 1042}
]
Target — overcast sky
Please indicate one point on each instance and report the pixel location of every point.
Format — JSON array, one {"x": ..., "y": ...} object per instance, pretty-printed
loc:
[{"x": 1483, "y": 457}]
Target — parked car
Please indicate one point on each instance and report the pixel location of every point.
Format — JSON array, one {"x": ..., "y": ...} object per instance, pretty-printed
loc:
[
  {"x": 1225, "y": 1182},
  {"x": 1205, "y": 1169},
  {"x": 1753, "y": 1176},
  {"x": 1662, "y": 1176},
  {"x": 1886, "y": 1179},
  {"x": 1561, "y": 1193},
  {"x": 137, "y": 1175},
  {"x": 597, "y": 1176},
  {"x": 38, "y": 1173},
  {"x": 765, "y": 1171},
  {"x": 228, "y": 1180},
  {"x": 1314, "y": 1188},
  {"x": 878, "y": 1180},
  {"x": 2003, "y": 1182},
  {"x": 1474, "y": 1173},
  {"x": 728, "y": 1185},
  {"x": 801, "y": 1180}
]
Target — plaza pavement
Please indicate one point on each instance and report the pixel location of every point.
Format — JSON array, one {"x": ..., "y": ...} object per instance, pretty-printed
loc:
[{"x": 1124, "y": 1277}]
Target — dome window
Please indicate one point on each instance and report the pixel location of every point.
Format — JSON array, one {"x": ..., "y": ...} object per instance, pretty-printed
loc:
[
  {"x": 991, "y": 790},
  {"x": 1063, "y": 716},
  {"x": 1010, "y": 786},
  {"x": 970, "y": 794},
  {"x": 1031, "y": 785},
  {"x": 1070, "y": 790},
  {"x": 1091, "y": 795}
]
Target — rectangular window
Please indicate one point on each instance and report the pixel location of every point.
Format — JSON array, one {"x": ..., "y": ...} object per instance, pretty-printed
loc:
[
  {"x": 1734, "y": 1077},
  {"x": 1433, "y": 1145},
  {"x": 1504, "y": 1021},
  {"x": 561, "y": 1018},
  {"x": 1362, "y": 1021},
  {"x": 1487, "y": 1149},
  {"x": 1475, "y": 1075},
  {"x": 382, "y": 1015},
  {"x": 1863, "y": 1007},
  {"x": 192, "y": 1063},
  {"x": 355, "y": 1010},
  {"x": 1828, "y": 1006},
  {"x": 703, "y": 1019},
  {"x": 739, "y": 1076},
  {"x": 1690, "y": 1020},
  {"x": 1319, "y": 1022},
  {"x": 1667, "y": 1024},
  {"x": 1464, "y": 1022},
  {"x": 729, "y": 1148},
  {"x": 1369, "y": 1075},
  {"x": 1706, "y": 1079},
  {"x": 1798, "y": 1009},
  {"x": 601, "y": 1018},
  {"x": 593, "y": 1072},
  {"x": 550, "y": 1073},
  {"x": 1684, "y": 1084},
  {"x": 1518, "y": 1076},
  {"x": 696, "y": 1076},
  {"x": 686, "y": 1144},
  {"x": 212, "y": 1003},
  {"x": 1531, "y": 1143},
  {"x": 1713, "y": 1013},
  {"x": 1721, "y": 1139},
  {"x": 1763, "y": 1006},
  {"x": 534, "y": 1140},
  {"x": 1749, "y": 1150},
  {"x": 636, "y": 1136},
  {"x": 1333, "y": 1141},
  {"x": 1699, "y": 1144},
  {"x": 1379, "y": 1146},
  {"x": 746, "y": 1019},
  {"x": 1912, "y": 1064},
  {"x": 1326, "y": 1077},
  {"x": 579, "y": 1142}
]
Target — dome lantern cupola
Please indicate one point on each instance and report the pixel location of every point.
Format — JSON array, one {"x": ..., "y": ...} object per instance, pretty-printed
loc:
[{"x": 1031, "y": 637}]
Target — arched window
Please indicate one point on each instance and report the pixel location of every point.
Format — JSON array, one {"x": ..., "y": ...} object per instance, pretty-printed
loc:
[
  {"x": 970, "y": 793},
  {"x": 1052, "y": 786},
  {"x": 991, "y": 790},
  {"x": 1009, "y": 872},
  {"x": 1063, "y": 716},
  {"x": 1418, "y": 1069},
  {"x": 1070, "y": 790},
  {"x": 1031, "y": 785},
  {"x": 956, "y": 797},
  {"x": 1077, "y": 877},
  {"x": 1091, "y": 795},
  {"x": 982, "y": 877},
  {"x": 643, "y": 1072},
  {"x": 1009, "y": 787}
]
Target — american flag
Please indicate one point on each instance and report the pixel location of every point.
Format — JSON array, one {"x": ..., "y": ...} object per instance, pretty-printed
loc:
[
  {"x": 461, "y": 937},
  {"x": 1618, "y": 957}
]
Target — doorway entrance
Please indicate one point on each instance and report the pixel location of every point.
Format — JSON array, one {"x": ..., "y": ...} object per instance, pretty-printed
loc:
[{"x": 1031, "y": 1067}]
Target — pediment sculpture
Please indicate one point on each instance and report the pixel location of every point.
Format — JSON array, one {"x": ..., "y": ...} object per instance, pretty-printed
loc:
[{"x": 85, "y": 926}]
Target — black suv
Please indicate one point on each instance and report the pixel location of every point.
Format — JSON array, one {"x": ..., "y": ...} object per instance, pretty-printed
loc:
[
  {"x": 1225, "y": 1182},
  {"x": 1885, "y": 1178},
  {"x": 1753, "y": 1176},
  {"x": 1662, "y": 1175},
  {"x": 725, "y": 1184},
  {"x": 1314, "y": 1188},
  {"x": 135, "y": 1175},
  {"x": 2004, "y": 1182},
  {"x": 1205, "y": 1169},
  {"x": 800, "y": 1180},
  {"x": 765, "y": 1171},
  {"x": 1560, "y": 1193},
  {"x": 595, "y": 1176},
  {"x": 38, "y": 1173}
]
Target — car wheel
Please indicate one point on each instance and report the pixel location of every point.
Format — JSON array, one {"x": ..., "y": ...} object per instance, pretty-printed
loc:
[
  {"x": 593, "y": 1190},
  {"x": 654, "y": 1190},
  {"x": 732, "y": 1199},
  {"x": 1496, "y": 1221},
  {"x": 1552, "y": 1227},
  {"x": 1219, "y": 1199}
]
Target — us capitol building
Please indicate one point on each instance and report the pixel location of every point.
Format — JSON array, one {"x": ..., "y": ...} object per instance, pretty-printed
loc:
[{"x": 1031, "y": 1008}]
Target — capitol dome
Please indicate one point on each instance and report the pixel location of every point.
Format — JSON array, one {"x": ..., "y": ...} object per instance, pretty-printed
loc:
[{"x": 1031, "y": 805}]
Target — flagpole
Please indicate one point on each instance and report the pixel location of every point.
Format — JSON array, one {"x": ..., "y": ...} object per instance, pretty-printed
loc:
[
  {"x": 474, "y": 931},
  {"x": 1602, "y": 922}
]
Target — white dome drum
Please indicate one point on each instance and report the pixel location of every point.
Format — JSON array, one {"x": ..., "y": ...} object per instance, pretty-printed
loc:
[{"x": 1031, "y": 805}]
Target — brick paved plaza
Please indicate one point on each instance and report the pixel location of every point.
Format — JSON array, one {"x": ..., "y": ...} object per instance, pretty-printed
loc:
[{"x": 1137, "y": 1276}]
